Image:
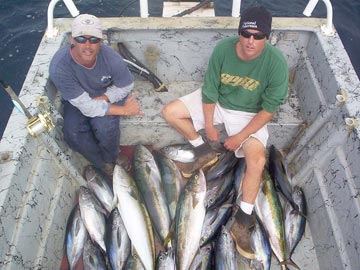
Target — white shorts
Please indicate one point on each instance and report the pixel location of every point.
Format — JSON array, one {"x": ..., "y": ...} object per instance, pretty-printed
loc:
[{"x": 234, "y": 121}]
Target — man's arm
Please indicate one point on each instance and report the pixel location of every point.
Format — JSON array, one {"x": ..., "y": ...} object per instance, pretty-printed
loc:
[
  {"x": 115, "y": 94},
  {"x": 211, "y": 132},
  {"x": 259, "y": 120},
  {"x": 131, "y": 107},
  {"x": 100, "y": 106}
]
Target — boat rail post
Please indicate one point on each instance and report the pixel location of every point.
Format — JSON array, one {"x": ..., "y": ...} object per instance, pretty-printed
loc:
[
  {"x": 236, "y": 6},
  {"x": 328, "y": 28},
  {"x": 51, "y": 31},
  {"x": 144, "y": 10}
]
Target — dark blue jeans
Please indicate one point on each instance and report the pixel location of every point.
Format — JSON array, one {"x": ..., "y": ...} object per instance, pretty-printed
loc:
[{"x": 97, "y": 138}]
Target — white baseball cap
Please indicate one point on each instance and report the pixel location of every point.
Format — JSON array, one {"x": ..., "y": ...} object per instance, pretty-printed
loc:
[{"x": 86, "y": 24}]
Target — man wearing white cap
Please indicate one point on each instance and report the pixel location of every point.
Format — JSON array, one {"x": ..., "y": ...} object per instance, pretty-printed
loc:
[{"x": 95, "y": 85}]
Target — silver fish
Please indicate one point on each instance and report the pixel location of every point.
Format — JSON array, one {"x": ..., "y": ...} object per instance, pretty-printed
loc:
[
  {"x": 190, "y": 215},
  {"x": 214, "y": 219},
  {"x": 92, "y": 216},
  {"x": 100, "y": 188},
  {"x": 171, "y": 179},
  {"x": 295, "y": 221},
  {"x": 280, "y": 175},
  {"x": 179, "y": 152},
  {"x": 239, "y": 174},
  {"x": 135, "y": 216},
  {"x": 261, "y": 246},
  {"x": 134, "y": 262},
  {"x": 117, "y": 241},
  {"x": 269, "y": 210},
  {"x": 227, "y": 161},
  {"x": 75, "y": 237},
  {"x": 225, "y": 251},
  {"x": 217, "y": 191},
  {"x": 148, "y": 180},
  {"x": 166, "y": 260},
  {"x": 203, "y": 258},
  {"x": 93, "y": 258}
]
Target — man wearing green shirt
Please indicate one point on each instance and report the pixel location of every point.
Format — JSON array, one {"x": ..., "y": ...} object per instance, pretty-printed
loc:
[{"x": 245, "y": 82}]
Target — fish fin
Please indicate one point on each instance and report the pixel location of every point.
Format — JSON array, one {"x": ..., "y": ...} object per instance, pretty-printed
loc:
[
  {"x": 298, "y": 212},
  {"x": 133, "y": 194},
  {"x": 167, "y": 241},
  {"x": 294, "y": 211},
  {"x": 226, "y": 205},
  {"x": 289, "y": 261},
  {"x": 303, "y": 215},
  {"x": 114, "y": 202},
  {"x": 148, "y": 168},
  {"x": 169, "y": 237},
  {"x": 286, "y": 170},
  {"x": 295, "y": 207},
  {"x": 98, "y": 206},
  {"x": 132, "y": 250}
]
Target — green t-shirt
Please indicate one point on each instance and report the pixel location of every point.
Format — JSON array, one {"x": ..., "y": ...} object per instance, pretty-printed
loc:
[{"x": 250, "y": 86}]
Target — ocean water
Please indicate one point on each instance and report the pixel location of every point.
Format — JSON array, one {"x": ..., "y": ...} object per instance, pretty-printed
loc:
[{"x": 23, "y": 23}]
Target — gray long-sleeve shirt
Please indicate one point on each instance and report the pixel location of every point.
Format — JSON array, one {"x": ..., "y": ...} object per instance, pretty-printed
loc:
[{"x": 79, "y": 85}]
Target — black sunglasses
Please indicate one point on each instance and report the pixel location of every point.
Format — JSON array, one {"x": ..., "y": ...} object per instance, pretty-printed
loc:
[
  {"x": 257, "y": 36},
  {"x": 82, "y": 39}
]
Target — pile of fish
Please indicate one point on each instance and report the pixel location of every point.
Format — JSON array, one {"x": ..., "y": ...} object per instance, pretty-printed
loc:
[{"x": 153, "y": 218}]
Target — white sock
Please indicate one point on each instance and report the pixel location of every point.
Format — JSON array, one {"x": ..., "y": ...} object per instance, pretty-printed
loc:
[
  {"x": 246, "y": 207},
  {"x": 198, "y": 141}
]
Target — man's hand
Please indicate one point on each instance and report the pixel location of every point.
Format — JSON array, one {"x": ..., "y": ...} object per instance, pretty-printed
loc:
[
  {"x": 212, "y": 133},
  {"x": 233, "y": 142},
  {"x": 132, "y": 107}
]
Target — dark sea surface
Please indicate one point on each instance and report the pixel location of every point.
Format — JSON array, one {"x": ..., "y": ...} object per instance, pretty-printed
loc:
[{"x": 23, "y": 23}]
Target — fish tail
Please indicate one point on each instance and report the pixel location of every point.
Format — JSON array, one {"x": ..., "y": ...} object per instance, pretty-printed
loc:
[
  {"x": 288, "y": 262},
  {"x": 167, "y": 241},
  {"x": 169, "y": 238},
  {"x": 114, "y": 202}
]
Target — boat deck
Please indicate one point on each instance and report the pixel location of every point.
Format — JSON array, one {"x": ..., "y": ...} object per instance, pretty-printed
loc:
[
  {"x": 40, "y": 176},
  {"x": 287, "y": 121}
]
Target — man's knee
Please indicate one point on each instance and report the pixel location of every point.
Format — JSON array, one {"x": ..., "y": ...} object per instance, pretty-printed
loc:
[
  {"x": 256, "y": 162},
  {"x": 166, "y": 111},
  {"x": 254, "y": 154},
  {"x": 170, "y": 110}
]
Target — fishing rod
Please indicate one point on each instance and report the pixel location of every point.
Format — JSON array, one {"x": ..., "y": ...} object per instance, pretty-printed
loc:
[
  {"x": 15, "y": 100},
  {"x": 137, "y": 67},
  {"x": 194, "y": 8},
  {"x": 38, "y": 123}
]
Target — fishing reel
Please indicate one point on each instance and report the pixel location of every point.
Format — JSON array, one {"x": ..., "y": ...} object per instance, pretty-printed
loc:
[
  {"x": 43, "y": 121},
  {"x": 39, "y": 123}
]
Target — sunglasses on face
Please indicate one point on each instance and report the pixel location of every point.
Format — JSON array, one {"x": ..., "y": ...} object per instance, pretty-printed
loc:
[
  {"x": 82, "y": 39},
  {"x": 257, "y": 36}
]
